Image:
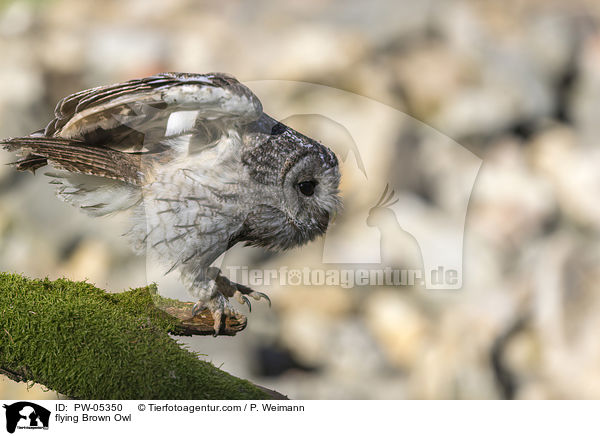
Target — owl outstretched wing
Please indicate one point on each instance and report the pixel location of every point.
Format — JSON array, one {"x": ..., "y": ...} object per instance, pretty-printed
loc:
[{"x": 103, "y": 131}]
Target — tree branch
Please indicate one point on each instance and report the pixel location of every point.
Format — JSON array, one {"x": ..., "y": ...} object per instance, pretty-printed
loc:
[
  {"x": 86, "y": 343},
  {"x": 202, "y": 323}
]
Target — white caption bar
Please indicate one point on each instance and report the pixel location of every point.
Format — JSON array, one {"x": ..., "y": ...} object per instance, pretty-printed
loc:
[{"x": 262, "y": 418}]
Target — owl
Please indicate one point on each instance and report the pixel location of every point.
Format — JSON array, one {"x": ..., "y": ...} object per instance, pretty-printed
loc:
[{"x": 200, "y": 166}]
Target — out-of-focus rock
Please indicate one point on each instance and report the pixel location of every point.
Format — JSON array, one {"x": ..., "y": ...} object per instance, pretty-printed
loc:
[
  {"x": 398, "y": 326},
  {"x": 128, "y": 52},
  {"x": 90, "y": 261},
  {"x": 424, "y": 88},
  {"x": 16, "y": 18},
  {"x": 353, "y": 351},
  {"x": 585, "y": 98},
  {"x": 321, "y": 49},
  {"x": 509, "y": 204},
  {"x": 63, "y": 51},
  {"x": 507, "y": 84},
  {"x": 452, "y": 366},
  {"x": 307, "y": 335},
  {"x": 331, "y": 301},
  {"x": 20, "y": 83},
  {"x": 522, "y": 356},
  {"x": 572, "y": 170}
]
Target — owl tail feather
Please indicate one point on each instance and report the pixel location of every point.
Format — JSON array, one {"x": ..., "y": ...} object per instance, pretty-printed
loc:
[
  {"x": 97, "y": 180},
  {"x": 75, "y": 157}
]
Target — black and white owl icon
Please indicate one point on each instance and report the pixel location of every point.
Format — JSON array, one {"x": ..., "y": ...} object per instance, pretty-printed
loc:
[{"x": 26, "y": 415}]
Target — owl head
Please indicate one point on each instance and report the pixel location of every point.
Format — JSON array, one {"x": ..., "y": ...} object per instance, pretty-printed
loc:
[{"x": 296, "y": 185}]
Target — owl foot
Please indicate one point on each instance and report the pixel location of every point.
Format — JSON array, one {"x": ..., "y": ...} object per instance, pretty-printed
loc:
[
  {"x": 231, "y": 289},
  {"x": 214, "y": 291},
  {"x": 218, "y": 307}
]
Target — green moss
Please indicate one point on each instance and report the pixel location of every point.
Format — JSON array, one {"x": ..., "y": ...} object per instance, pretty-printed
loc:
[
  {"x": 85, "y": 343},
  {"x": 146, "y": 302}
]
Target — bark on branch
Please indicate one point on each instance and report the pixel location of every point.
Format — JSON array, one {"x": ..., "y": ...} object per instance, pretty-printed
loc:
[{"x": 202, "y": 323}]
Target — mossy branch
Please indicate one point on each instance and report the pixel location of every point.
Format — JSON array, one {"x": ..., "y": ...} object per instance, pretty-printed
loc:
[{"x": 85, "y": 343}]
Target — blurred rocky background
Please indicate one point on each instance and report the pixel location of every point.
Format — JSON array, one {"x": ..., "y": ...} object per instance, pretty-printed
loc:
[{"x": 517, "y": 83}]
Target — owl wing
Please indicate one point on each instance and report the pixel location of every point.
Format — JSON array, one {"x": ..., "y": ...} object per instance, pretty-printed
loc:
[{"x": 102, "y": 131}]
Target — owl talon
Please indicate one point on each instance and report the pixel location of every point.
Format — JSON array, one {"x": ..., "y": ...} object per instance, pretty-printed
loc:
[
  {"x": 258, "y": 295},
  {"x": 217, "y": 315},
  {"x": 220, "y": 309},
  {"x": 245, "y": 300},
  {"x": 242, "y": 299},
  {"x": 244, "y": 290}
]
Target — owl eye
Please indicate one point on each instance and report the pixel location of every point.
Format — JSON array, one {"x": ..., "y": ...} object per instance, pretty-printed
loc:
[{"x": 307, "y": 188}]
